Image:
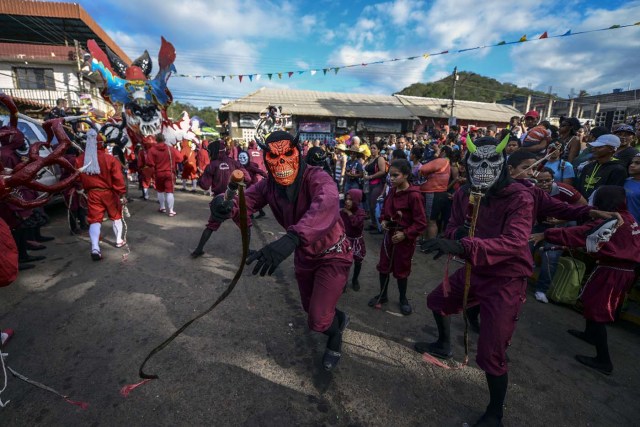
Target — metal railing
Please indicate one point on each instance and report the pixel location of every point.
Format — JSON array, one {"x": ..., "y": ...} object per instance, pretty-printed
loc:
[{"x": 48, "y": 98}]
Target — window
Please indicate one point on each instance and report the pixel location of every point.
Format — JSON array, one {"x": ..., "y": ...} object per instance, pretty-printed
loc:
[{"x": 35, "y": 78}]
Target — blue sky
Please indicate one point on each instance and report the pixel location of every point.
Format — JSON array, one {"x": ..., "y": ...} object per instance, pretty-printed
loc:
[{"x": 250, "y": 36}]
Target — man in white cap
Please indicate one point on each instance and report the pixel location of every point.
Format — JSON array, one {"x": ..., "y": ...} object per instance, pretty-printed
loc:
[
  {"x": 103, "y": 182},
  {"x": 604, "y": 170}
]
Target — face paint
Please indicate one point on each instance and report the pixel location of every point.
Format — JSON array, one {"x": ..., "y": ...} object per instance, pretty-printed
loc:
[
  {"x": 484, "y": 166},
  {"x": 283, "y": 161}
]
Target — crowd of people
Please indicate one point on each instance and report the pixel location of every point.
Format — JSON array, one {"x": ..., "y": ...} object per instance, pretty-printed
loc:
[{"x": 493, "y": 198}]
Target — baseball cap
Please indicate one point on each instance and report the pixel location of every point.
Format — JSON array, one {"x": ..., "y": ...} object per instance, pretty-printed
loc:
[
  {"x": 624, "y": 128},
  {"x": 533, "y": 113},
  {"x": 608, "y": 139}
]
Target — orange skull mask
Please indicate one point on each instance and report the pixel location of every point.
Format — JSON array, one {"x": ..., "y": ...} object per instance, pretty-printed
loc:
[{"x": 283, "y": 161}]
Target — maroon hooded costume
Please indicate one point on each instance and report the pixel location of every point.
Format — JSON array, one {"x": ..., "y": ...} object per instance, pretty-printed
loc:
[
  {"x": 255, "y": 156},
  {"x": 354, "y": 225},
  {"x": 323, "y": 257},
  {"x": 217, "y": 174},
  {"x": 405, "y": 209},
  {"x": 501, "y": 260},
  {"x": 614, "y": 275}
]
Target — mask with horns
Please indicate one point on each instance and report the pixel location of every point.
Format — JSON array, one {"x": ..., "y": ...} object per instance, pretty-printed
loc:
[{"x": 485, "y": 161}]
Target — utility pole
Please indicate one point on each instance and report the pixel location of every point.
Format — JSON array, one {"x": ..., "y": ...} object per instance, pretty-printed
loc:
[
  {"x": 453, "y": 94},
  {"x": 79, "y": 63}
]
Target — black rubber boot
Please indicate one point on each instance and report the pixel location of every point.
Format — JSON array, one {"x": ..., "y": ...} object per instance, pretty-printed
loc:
[
  {"x": 442, "y": 347},
  {"x": 356, "y": 272},
  {"x": 602, "y": 361},
  {"x": 405, "y": 307},
  {"x": 497, "y": 392},
  {"x": 333, "y": 352},
  {"x": 381, "y": 298},
  {"x": 82, "y": 218},
  {"x": 206, "y": 234}
]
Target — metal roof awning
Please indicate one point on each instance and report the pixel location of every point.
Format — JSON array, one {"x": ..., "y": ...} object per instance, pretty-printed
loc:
[
  {"x": 52, "y": 23},
  {"x": 322, "y": 104}
]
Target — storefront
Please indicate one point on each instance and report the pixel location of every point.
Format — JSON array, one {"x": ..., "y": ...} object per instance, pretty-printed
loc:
[{"x": 312, "y": 130}]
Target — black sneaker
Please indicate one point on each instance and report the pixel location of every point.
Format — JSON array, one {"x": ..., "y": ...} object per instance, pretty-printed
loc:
[
  {"x": 96, "y": 256},
  {"x": 405, "y": 307},
  {"x": 378, "y": 300}
]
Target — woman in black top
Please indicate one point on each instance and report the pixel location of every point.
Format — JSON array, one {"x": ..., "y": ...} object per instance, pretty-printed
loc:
[{"x": 376, "y": 170}]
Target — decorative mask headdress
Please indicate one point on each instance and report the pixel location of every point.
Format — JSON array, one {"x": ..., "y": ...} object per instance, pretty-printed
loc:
[
  {"x": 282, "y": 157},
  {"x": 485, "y": 161}
]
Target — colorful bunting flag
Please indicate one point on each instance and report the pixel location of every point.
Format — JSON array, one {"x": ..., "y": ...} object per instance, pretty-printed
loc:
[{"x": 522, "y": 39}]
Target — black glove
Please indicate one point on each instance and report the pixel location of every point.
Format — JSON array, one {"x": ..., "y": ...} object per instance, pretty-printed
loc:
[
  {"x": 443, "y": 246},
  {"x": 273, "y": 254},
  {"x": 220, "y": 208}
]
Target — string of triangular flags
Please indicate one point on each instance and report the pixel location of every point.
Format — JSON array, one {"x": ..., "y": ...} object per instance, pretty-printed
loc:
[{"x": 280, "y": 74}]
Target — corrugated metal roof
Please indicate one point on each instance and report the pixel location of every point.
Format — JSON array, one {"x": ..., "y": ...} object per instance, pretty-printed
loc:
[
  {"x": 397, "y": 107},
  {"x": 63, "y": 11},
  {"x": 26, "y": 52},
  {"x": 322, "y": 104},
  {"x": 464, "y": 110}
]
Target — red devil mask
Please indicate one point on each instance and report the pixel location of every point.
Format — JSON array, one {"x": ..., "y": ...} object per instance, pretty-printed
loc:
[{"x": 283, "y": 159}]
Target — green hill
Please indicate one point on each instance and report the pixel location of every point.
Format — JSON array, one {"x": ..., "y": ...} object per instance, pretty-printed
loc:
[{"x": 470, "y": 87}]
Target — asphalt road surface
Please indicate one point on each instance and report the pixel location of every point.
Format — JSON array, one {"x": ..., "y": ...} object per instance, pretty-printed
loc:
[{"x": 83, "y": 327}]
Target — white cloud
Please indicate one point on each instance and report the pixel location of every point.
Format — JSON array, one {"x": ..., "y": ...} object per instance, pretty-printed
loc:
[{"x": 597, "y": 62}]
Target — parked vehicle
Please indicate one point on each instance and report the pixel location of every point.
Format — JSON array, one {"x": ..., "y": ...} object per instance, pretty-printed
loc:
[{"x": 33, "y": 132}]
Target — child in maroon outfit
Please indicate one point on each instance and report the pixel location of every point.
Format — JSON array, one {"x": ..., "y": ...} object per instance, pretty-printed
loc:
[
  {"x": 613, "y": 276},
  {"x": 404, "y": 220},
  {"x": 353, "y": 217}
]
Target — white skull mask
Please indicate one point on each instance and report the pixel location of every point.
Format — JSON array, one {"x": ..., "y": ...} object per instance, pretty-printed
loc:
[
  {"x": 243, "y": 158},
  {"x": 484, "y": 167}
]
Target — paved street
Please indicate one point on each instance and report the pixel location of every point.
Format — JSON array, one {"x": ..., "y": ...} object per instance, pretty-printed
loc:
[{"x": 83, "y": 328}]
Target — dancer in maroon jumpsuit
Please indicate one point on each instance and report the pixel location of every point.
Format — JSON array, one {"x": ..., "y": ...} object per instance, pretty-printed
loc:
[
  {"x": 254, "y": 171},
  {"x": 617, "y": 256},
  {"x": 216, "y": 178},
  {"x": 501, "y": 263},
  {"x": 353, "y": 217},
  {"x": 304, "y": 200}
]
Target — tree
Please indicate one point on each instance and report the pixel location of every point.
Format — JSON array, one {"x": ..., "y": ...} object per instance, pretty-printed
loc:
[
  {"x": 583, "y": 93},
  {"x": 470, "y": 87}
]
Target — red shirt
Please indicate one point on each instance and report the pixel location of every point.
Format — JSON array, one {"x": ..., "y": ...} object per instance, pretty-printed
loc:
[
  {"x": 110, "y": 177},
  {"x": 160, "y": 156}
]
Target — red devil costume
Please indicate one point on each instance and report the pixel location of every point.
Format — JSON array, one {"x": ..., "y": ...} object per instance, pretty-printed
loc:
[
  {"x": 189, "y": 165},
  {"x": 163, "y": 160},
  {"x": 145, "y": 172},
  {"x": 304, "y": 201},
  {"x": 104, "y": 184},
  {"x": 617, "y": 251},
  {"x": 353, "y": 219}
]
